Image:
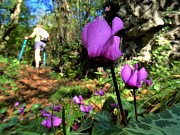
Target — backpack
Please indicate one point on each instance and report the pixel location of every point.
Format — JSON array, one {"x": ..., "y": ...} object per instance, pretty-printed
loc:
[{"x": 44, "y": 35}]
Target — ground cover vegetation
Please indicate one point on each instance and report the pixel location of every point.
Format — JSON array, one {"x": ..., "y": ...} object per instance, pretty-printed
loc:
[{"x": 89, "y": 86}]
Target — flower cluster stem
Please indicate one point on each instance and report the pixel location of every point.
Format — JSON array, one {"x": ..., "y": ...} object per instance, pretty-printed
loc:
[
  {"x": 135, "y": 107},
  {"x": 118, "y": 96}
]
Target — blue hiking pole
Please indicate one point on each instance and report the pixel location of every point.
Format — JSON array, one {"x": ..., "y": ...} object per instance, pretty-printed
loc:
[
  {"x": 22, "y": 49},
  {"x": 44, "y": 58}
]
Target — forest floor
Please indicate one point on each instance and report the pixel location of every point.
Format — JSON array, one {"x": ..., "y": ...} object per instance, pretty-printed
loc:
[{"x": 34, "y": 86}]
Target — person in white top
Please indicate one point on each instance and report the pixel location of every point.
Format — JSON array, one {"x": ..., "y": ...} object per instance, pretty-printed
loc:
[{"x": 41, "y": 37}]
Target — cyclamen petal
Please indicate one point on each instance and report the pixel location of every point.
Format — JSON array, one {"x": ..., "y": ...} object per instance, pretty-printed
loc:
[
  {"x": 90, "y": 107},
  {"x": 84, "y": 35},
  {"x": 117, "y": 24},
  {"x": 57, "y": 108},
  {"x": 21, "y": 110},
  {"x": 48, "y": 123},
  {"x": 100, "y": 92},
  {"x": 136, "y": 67},
  {"x": 142, "y": 74},
  {"x": 44, "y": 122},
  {"x": 133, "y": 80},
  {"x": 98, "y": 33},
  {"x": 126, "y": 73},
  {"x": 111, "y": 49},
  {"x": 86, "y": 109},
  {"x": 148, "y": 82},
  {"x": 96, "y": 93},
  {"x": 16, "y": 104},
  {"x": 78, "y": 100},
  {"x": 83, "y": 108},
  {"x": 45, "y": 113}
]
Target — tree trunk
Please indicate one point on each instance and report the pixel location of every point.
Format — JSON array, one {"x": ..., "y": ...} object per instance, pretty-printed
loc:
[{"x": 14, "y": 18}]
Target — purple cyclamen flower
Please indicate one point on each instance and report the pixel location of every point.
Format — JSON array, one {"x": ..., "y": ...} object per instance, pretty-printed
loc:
[
  {"x": 78, "y": 100},
  {"x": 16, "y": 104},
  {"x": 86, "y": 109},
  {"x": 56, "y": 121},
  {"x": 133, "y": 78},
  {"x": 21, "y": 110},
  {"x": 100, "y": 92},
  {"x": 45, "y": 113},
  {"x": 57, "y": 108},
  {"x": 99, "y": 38}
]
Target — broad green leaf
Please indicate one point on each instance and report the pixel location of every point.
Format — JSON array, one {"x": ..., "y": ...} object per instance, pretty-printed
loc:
[
  {"x": 103, "y": 116},
  {"x": 107, "y": 104},
  {"x": 164, "y": 123},
  {"x": 106, "y": 128},
  {"x": 85, "y": 125}
]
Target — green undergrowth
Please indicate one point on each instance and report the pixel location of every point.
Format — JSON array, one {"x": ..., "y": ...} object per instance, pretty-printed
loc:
[
  {"x": 9, "y": 70},
  {"x": 158, "y": 105}
]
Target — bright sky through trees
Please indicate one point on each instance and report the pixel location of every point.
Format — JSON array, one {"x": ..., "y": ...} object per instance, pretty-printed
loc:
[{"x": 39, "y": 8}]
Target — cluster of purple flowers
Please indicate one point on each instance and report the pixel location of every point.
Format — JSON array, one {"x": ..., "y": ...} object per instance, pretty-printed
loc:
[
  {"x": 51, "y": 119},
  {"x": 100, "y": 40},
  {"x": 79, "y": 100}
]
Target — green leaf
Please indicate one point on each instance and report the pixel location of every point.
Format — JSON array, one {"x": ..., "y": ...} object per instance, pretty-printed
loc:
[
  {"x": 106, "y": 128},
  {"x": 12, "y": 122},
  {"x": 103, "y": 116},
  {"x": 85, "y": 125},
  {"x": 3, "y": 110},
  {"x": 157, "y": 86},
  {"x": 164, "y": 123},
  {"x": 107, "y": 104}
]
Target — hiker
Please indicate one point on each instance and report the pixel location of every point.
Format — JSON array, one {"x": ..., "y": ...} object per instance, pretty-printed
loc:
[{"x": 41, "y": 37}]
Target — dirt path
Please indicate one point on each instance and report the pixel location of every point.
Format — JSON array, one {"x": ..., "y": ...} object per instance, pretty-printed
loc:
[{"x": 34, "y": 86}]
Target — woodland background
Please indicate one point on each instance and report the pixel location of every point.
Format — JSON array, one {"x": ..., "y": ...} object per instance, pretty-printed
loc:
[{"x": 150, "y": 37}]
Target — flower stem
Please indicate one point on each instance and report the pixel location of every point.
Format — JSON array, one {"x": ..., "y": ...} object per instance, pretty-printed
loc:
[
  {"x": 135, "y": 107},
  {"x": 63, "y": 121},
  {"x": 118, "y": 96},
  {"x": 52, "y": 116}
]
